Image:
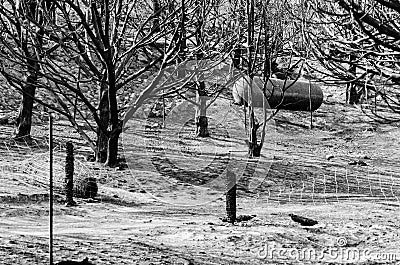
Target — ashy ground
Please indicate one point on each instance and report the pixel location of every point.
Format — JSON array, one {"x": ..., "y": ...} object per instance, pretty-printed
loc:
[{"x": 166, "y": 206}]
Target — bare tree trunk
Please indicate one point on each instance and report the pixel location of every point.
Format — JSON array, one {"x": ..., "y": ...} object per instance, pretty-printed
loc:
[
  {"x": 201, "y": 111},
  {"x": 24, "y": 120},
  {"x": 114, "y": 121},
  {"x": 254, "y": 147},
  {"x": 104, "y": 114},
  {"x": 112, "y": 150},
  {"x": 237, "y": 53},
  {"x": 351, "y": 89},
  {"x": 201, "y": 93},
  {"x": 102, "y": 137},
  {"x": 352, "y": 96},
  {"x": 156, "y": 13},
  {"x": 116, "y": 124}
]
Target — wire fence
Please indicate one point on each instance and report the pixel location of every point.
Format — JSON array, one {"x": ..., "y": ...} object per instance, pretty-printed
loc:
[
  {"x": 25, "y": 175},
  {"x": 24, "y": 169}
]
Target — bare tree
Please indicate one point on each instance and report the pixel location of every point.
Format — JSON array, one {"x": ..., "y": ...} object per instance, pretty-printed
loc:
[
  {"x": 201, "y": 93},
  {"x": 212, "y": 35},
  {"x": 29, "y": 40},
  {"x": 357, "y": 42},
  {"x": 101, "y": 48},
  {"x": 264, "y": 35},
  {"x": 260, "y": 27},
  {"x": 92, "y": 47}
]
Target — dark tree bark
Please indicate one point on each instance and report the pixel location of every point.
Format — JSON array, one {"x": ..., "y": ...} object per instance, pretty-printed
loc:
[
  {"x": 351, "y": 88},
  {"x": 24, "y": 120},
  {"x": 114, "y": 121},
  {"x": 30, "y": 9},
  {"x": 201, "y": 111},
  {"x": 352, "y": 96},
  {"x": 182, "y": 41},
  {"x": 104, "y": 115},
  {"x": 112, "y": 150},
  {"x": 114, "y": 127},
  {"x": 237, "y": 53},
  {"x": 157, "y": 14},
  {"x": 201, "y": 93},
  {"x": 254, "y": 148}
]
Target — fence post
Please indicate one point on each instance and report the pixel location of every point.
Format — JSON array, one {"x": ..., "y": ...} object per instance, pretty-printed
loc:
[
  {"x": 69, "y": 175},
  {"x": 230, "y": 196}
]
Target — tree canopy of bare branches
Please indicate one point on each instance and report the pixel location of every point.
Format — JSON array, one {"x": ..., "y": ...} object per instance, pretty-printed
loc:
[
  {"x": 101, "y": 48},
  {"x": 358, "y": 43}
]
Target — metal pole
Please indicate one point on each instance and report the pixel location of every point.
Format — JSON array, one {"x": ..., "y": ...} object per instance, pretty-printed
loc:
[
  {"x": 311, "y": 111},
  {"x": 51, "y": 189},
  {"x": 163, "y": 110}
]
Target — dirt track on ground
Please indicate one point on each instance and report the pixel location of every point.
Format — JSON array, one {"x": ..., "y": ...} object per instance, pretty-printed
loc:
[{"x": 312, "y": 174}]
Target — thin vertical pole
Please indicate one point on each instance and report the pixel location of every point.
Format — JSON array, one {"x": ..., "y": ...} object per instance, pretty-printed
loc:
[
  {"x": 163, "y": 110},
  {"x": 245, "y": 119},
  {"x": 310, "y": 101},
  {"x": 51, "y": 189}
]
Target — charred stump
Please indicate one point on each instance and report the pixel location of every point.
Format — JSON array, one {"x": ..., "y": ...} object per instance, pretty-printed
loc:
[
  {"x": 231, "y": 197},
  {"x": 85, "y": 187}
]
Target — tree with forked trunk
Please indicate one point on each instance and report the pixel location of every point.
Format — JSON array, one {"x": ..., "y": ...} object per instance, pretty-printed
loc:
[
  {"x": 30, "y": 43},
  {"x": 98, "y": 47},
  {"x": 265, "y": 29}
]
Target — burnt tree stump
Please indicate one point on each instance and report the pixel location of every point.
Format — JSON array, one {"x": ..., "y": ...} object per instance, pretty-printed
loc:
[
  {"x": 231, "y": 197},
  {"x": 85, "y": 187}
]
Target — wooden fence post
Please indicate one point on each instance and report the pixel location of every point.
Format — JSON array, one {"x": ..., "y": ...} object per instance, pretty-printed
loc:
[
  {"x": 230, "y": 196},
  {"x": 69, "y": 175}
]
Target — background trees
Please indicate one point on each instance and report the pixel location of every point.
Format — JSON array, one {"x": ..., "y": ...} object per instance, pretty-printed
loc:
[
  {"x": 27, "y": 38},
  {"x": 98, "y": 49},
  {"x": 357, "y": 43},
  {"x": 81, "y": 59},
  {"x": 266, "y": 38}
]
